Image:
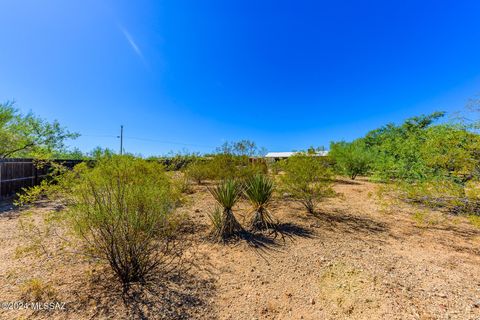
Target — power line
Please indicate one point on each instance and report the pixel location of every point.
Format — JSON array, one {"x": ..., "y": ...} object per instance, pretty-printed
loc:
[
  {"x": 170, "y": 142},
  {"x": 150, "y": 140},
  {"x": 98, "y": 136}
]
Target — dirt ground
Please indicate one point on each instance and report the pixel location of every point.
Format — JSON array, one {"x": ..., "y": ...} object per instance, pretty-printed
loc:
[{"x": 359, "y": 257}]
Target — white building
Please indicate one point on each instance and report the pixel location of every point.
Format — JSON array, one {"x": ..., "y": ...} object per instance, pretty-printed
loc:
[{"x": 275, "y": 156}]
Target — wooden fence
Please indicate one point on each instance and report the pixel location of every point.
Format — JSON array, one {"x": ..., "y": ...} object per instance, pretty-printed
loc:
[{"x": 16, "y": 174}]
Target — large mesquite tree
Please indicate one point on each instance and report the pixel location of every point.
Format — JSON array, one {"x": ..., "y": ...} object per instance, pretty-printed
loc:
[{"x": 26, "y": 135}]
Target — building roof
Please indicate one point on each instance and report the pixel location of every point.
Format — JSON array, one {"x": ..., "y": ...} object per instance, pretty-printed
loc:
[{"x": 289, "y": 154}]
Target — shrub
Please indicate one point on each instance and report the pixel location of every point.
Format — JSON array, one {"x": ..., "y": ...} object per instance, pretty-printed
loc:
[
  {"x": 181, "y": 183},
  {"x": 227, "y": 194},
  {"x": 307, "y": 178},
  {"x": 122, "y": 212},
  {"x": 351, "y": 159},
  {"x": 198, "y": 171},
  {"x": 224, "y": 166},
  {"x": 36, "y": 290},
  {"x": 227, "y": 166},
  {"x": 443, "y": 193},
  {"x": 259, "y": 190}
]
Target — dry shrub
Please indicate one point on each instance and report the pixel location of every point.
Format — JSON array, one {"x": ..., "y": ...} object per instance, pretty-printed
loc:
[
  {"x": 452, "y": 196},
  {"x": 121, "y": 212},
  {"x": 35, "y": 290}
]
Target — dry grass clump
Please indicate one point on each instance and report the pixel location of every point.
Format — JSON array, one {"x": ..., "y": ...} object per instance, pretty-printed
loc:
[{"x": 36, "y": 290}]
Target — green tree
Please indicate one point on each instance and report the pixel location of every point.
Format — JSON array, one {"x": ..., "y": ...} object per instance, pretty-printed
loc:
[
  {"x": 351, "y": 159},
  {"x": 28, "y": 135},
  {"x": 99, "y": 152},
  {"x": 70, "y": 154},
  {"x": 396, "y": 148},
  {"x": 244, "y": 147}
]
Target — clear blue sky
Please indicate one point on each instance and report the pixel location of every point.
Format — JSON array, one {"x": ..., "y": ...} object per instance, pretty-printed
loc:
[{"x": 286, "y": 74}]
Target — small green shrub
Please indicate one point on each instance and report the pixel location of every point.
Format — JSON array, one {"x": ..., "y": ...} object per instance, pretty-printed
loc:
[
  {"x": 121, "y": 212},
  {"x": 36, "y": 290},
  {"x": 474, "y": 220},
  {"x": 181, "y": 183},
  {"x": 308, "y": 179},
  {"x": 259, "y": 190},
  {"x": 228, "y": 166},
  {"x": 226, "y": 194},
  {"x": 224, "y": 166},
  {"x": 198, "y": 171}
]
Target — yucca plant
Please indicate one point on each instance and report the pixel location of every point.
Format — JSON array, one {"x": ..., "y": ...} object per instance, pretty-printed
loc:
[
  {"x": 216, "y": 218},
  {"x": 227, "y": 194},
  {"x": 259, "y": 189}
]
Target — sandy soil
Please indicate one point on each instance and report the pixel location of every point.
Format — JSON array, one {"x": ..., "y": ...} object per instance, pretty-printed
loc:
[{"x": 359, "y": 257}]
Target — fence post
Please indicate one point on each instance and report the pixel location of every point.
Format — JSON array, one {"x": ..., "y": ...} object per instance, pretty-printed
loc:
[
  {"x": 35, "y": 173},
  {"x": 1, "y": 194}
]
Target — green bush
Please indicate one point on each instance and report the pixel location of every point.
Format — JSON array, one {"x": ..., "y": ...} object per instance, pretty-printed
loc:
[
  {"x": 307, "y": 178},
  {"x": 227, "y": 166},
  {"x": 199, "y": 171},
  {"x": 430, "y": 163},
  {"x": 122, "y": 212},
  {"x": 351, "y": 159}
]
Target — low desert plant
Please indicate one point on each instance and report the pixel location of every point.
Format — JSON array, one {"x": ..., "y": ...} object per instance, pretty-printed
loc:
[
  {"x": 307, "y": 178},
  {"x": 228, "y": 166},
  {"x": 216, "y": 219},
  {"x": 181, "y": 183},
  {"x": 226, "y": 194},
  {"x": 121, "y": 212},
  {"x": 198, "y": 171},
  {"x": 447, "y": 194},
  {"x": 36, "y": 290},
  {"x": 259, "y": 190}
]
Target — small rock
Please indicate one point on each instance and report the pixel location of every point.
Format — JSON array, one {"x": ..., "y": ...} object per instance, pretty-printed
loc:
[{"x": 312, "y": 301}]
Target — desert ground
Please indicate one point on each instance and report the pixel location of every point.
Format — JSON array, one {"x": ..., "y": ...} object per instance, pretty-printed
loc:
[{"x": 361, "y": 256}]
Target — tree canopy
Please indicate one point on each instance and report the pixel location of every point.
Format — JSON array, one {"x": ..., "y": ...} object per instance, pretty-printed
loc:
[{"x": 26, "y": 135}]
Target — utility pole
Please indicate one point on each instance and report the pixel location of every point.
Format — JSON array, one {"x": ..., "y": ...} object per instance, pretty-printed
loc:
[{"x": 121, "y": 139}]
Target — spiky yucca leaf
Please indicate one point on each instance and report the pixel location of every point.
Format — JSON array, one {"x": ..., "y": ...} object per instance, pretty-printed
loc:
[
  {"x": 259, "y": 190},
  {"x": 225, "y": 225},
  {"x": 226, "y": 193},
  {"x": 216, "y": 218}
]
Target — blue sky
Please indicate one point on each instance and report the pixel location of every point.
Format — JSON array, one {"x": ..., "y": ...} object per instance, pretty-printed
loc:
[{"x": 286, "y": 74}]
